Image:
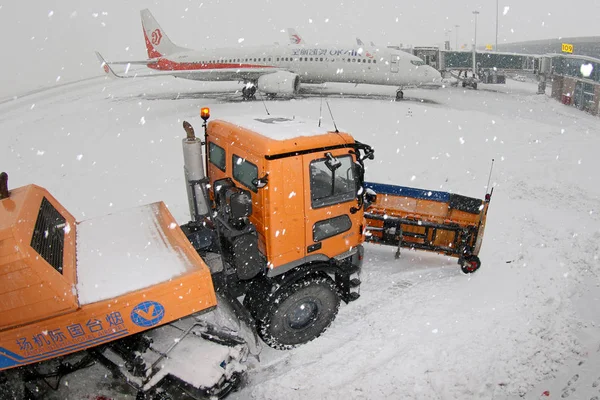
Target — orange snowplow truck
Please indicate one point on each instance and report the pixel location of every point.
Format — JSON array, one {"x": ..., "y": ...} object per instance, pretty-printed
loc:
[
  {"x": 289, "y": 212},
  {"x": 279, "y": 214}
]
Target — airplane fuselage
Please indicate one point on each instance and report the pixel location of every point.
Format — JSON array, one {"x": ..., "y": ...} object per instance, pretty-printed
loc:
[{"x": 313, "y": 64}]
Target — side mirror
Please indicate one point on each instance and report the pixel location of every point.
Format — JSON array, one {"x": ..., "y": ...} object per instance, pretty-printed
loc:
[
  {"x": 331, "y": 162},
  {"x": 261, "y": 182}
]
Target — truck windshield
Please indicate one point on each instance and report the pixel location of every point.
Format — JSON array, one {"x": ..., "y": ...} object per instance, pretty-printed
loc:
[{"x": 331, "y": 187}]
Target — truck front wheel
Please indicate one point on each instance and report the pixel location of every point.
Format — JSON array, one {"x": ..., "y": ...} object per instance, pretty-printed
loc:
[{"x": 298, "y": 313}]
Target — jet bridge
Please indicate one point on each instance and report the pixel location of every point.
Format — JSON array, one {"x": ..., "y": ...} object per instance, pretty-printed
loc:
[
  {"x": 488, "y": 67},
  {"x": 507, "y": 62}
]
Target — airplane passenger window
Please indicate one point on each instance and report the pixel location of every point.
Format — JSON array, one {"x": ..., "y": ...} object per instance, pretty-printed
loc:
[
  {"x": 321, "y": 58},
  {"x": 364, "y": 60},
  {"x": 369, "y": 61},
  {"x": 311, "y": 59},
  {"x": 374, "y": 61}
]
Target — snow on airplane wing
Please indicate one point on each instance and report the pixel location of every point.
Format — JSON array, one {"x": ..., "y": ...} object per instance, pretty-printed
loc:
[{"x": 200, "y": 74}]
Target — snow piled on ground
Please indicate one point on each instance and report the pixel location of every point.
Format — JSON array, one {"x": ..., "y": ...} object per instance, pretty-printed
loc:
[{"x": 525, "y": 325}]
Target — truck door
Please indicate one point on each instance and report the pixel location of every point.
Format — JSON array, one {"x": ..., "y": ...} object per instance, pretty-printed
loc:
[
  {"x": 394, "y": 63},
  {"x": 330, "y": 193}
]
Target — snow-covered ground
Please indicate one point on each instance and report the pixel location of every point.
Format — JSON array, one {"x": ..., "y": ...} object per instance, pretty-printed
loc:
[{"x": 524, "y": 326}]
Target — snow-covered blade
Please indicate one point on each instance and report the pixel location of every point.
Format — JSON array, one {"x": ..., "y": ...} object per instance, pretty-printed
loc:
[{"x": 195, "y": 355}]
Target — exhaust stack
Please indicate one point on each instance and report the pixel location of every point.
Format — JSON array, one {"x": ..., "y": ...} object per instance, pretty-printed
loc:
[
  {"x": 4, "y": 193},
  {"x": 195, "y": 176}
]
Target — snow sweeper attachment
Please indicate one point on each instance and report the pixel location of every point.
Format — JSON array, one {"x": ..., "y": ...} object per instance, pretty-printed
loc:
[
  {"x": 440, "y": 222},
  {"x": 127, "y": 289}
]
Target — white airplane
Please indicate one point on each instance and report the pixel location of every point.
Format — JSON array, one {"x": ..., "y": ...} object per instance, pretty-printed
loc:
[{"x": 278, "y": 70}]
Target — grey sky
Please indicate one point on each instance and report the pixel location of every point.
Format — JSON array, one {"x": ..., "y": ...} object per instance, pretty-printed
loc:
[{"x": 47, "y": 39}]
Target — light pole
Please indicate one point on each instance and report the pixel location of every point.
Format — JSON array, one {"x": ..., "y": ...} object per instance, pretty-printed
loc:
[
  {"x": 447, "y": 40},
  {"x": 496, "y": 48},
  {"x": 475, "y": 46},
  {"x": 456, "y": 31}
]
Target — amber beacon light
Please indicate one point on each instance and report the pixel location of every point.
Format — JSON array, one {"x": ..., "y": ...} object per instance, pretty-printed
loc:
[{"x": 205, "y": 113}]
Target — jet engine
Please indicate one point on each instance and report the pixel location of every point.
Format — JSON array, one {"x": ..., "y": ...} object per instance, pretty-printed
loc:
[{"x": 281, "y": 82}]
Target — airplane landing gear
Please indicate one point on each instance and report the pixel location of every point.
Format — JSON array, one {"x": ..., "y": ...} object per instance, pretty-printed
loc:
[
  {"x": 399, "y": 94},
  {"x": 249, "y": 92}
]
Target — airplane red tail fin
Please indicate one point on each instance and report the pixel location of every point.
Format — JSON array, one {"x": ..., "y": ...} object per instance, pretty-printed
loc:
[{"x": 157, "y": 42}]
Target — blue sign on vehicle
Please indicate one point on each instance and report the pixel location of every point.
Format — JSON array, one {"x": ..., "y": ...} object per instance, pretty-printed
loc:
[{"x": 148, "y": 313}]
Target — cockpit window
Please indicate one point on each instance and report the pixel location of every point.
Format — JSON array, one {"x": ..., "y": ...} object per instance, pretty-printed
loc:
[{"x": 418, "y": 63}]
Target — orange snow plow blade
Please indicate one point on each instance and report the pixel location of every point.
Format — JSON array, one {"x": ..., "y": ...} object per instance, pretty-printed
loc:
[
  {"x": 67, "y": 286},
  {"x": 428, "y": 220}
]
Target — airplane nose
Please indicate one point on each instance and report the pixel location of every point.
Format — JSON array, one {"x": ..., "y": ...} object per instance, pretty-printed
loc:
[
  {"x": 431, "y": 77},
  {"x": 435, "y": 75}
]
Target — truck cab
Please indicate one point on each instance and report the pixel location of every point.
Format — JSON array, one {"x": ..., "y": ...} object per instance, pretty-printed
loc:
[
  {"x": 306, "y": 211},
  {"x": 304, "y": 191}
]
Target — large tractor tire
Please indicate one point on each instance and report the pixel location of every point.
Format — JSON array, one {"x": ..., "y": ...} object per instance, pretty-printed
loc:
[{"x": 298, "y": 313}]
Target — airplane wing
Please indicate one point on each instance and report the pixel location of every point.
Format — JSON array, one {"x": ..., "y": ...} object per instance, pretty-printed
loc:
[{"x": 204, "y": 74}]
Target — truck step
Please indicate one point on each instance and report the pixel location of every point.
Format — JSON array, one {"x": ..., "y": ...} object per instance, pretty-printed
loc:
[
  {"x": 353, "y": 296},
  {"x": 355, "y": 282}
]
